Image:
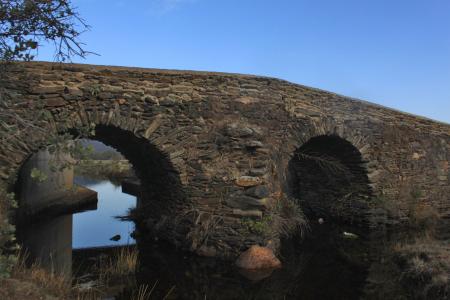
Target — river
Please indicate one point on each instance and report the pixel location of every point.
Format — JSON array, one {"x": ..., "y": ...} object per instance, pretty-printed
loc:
[{"x": 328, "y": 264}]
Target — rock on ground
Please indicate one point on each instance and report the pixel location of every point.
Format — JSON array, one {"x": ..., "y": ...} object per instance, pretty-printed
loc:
[{"x": 257, "y": 257}]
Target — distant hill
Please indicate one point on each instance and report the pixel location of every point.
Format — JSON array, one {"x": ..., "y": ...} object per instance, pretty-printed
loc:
[{"x": 101, "y": 151}]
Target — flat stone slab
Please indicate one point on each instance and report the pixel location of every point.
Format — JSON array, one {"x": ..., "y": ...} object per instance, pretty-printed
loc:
[{"x": 68, "y": 202}]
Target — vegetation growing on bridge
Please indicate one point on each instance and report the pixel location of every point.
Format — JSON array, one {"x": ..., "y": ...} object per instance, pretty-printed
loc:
[
  {"x": 7, "y": 231},
  {"x": 24, "y": 25}
]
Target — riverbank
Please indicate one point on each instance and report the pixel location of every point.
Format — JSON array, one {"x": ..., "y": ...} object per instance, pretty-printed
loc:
[
  {"x": 416, "y": 268},
  {"x": 104, "y": 272},
  {"x": 425, "y": 268},
  {"x": 413, "y": 268},
  {"x": 112, "y": 170},
  {"x": 324, "y": 264}
]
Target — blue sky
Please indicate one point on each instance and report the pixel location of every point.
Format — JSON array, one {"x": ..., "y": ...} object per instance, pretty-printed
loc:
[{"x": 392, "y": 52}]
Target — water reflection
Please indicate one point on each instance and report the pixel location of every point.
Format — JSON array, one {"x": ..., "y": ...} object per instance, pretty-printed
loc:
[
  {"x": 95, "y": 228},
  {"x": 50, "y": 241},
  {"x": 324, "y": 266}
]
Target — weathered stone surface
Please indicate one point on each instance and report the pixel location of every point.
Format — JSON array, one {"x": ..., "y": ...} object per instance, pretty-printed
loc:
[
  {"x": 169, "y": 101},
  {"x": 55, "y": 102},
  {"x": 197, "y": 129},
  {"x": 74, "y": 91},
  {"x": 248, "y": 181},
  {"x": 254, "y": 144},
  {"x": 257, "y": 257},
  {"x": 237, "y": 130},
  {"x": 257, "y": 172},
  {"x": 258, "y": 192},
  {"x": 47, "y": 89},
  {"x": 247, "y": 100},
  {"x": 246, "y": 202},
  {"x": 199, "y": 139}
]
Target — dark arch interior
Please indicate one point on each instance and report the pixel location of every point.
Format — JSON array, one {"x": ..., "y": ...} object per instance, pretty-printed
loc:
[
  {"x": 160, "y": 183},
  {"x": 327, "y": 176}
]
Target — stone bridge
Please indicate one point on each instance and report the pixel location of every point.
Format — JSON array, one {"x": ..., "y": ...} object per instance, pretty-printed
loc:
[{"x": 227, "y": 161}]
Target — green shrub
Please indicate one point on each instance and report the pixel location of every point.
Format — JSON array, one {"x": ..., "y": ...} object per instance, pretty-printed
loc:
[
  {"x": 7, "y": 238},
  {"x": 260, "y": 226}
]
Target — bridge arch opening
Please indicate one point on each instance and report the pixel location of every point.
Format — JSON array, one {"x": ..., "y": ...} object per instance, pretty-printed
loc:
[
  {"x": 159, "y": 193},
  {"x": 328, "y": 178},
  {"x": 161, "y": 188},
  {"x": 160, "y": 185}
]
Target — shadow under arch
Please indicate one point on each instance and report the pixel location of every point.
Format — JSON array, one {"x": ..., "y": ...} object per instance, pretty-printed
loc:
[
  {"x": 328, "y": 178},
  {"x": 161, "y": 187}
]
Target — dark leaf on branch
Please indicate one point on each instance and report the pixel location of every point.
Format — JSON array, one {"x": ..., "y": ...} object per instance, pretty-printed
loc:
[{"x": 25, "y": 24}]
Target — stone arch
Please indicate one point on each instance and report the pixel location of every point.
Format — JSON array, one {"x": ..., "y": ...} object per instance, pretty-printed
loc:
[
  {"x": 306, "y": 129},
  {"x": 161, "y": 187},
  {"x": 327, "y": 175},
  {"x": 149, "y": 144}
]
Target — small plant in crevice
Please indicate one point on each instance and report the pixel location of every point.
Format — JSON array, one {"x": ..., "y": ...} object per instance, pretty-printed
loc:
[
  {"x": 95, "y": 90},
  {"x": 290, "y": 217},
  {"x": 258, "y": 226},
  {"x": 38, "y": 175},
  {"x": 284, "y": 218}
]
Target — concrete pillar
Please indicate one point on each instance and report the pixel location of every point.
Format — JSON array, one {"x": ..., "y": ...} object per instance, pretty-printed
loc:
[
  {"x": 49, "y": 243},
  {"x": 40, "y": 193}
]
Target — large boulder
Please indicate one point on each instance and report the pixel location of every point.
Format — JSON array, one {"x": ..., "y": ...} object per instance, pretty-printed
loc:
[{"x": 257, "y": 258}]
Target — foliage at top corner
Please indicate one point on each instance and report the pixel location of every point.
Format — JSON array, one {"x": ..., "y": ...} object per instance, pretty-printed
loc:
[{"x": 25, "y": 24}]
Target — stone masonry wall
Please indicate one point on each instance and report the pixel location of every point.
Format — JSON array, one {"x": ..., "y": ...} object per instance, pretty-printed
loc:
[{"x": 229, "y": 139}]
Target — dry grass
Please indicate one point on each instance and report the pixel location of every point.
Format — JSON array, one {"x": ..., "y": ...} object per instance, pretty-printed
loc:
[
  {"x": 289, "y": 218},
  {"x": 51, "y": 283},
  {"x": 87, "y": 295},
  {"x": 143, "y": 292},
  {"x": 417, "y": 268},
  {"x": 425, "y": 263},
  {"x": 422, "y": 216},
  {"x": 122, "y": 263},
  {"x": 40, "y": 281}
]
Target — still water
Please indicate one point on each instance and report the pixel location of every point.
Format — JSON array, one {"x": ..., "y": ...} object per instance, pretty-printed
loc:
[
  {"x": 326, "y": 265},
  {"x": 95, "y": 228},
  {"x": 51, "y": 242}
]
